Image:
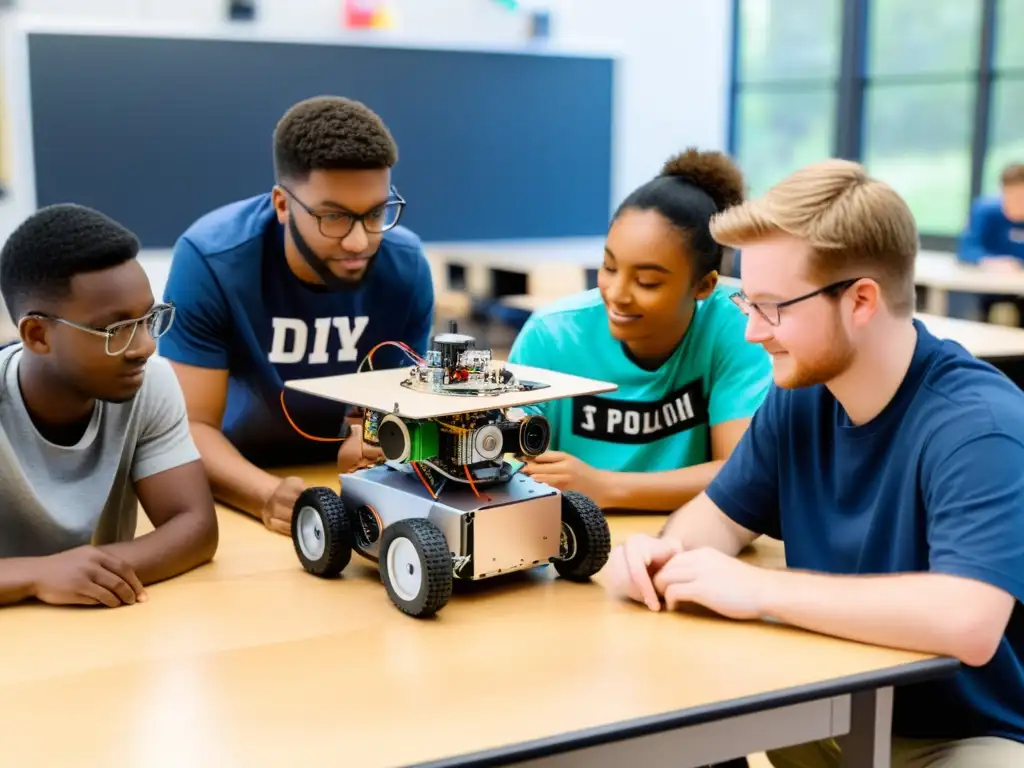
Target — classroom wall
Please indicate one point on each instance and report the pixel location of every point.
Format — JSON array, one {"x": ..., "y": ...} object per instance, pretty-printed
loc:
[{"x": 674, "y": 74}]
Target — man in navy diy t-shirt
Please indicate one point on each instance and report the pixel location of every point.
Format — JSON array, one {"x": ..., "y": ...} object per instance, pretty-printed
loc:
[
  {"x": 890, "y": 463},
  {"x": 303, "y": 281}
]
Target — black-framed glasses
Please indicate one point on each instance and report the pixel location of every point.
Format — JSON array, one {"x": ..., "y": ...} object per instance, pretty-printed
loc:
[
  {"x": 771, "y": 311},
  {"x": 119, "y": 336},
  {"x": 338, "y": 224}
]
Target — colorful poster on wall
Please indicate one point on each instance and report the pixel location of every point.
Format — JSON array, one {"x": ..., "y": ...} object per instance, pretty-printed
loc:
[{"x": 368, "y": 14}]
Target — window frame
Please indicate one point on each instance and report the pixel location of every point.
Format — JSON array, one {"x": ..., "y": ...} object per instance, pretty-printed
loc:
[{"x": 853, "y": 82}]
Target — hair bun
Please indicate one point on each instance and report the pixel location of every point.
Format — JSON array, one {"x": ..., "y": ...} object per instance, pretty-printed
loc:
[{"x": 714, "y": 172}]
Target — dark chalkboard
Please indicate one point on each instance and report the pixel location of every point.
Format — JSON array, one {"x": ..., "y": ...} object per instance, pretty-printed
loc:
[{"x": 155, "y": 131}]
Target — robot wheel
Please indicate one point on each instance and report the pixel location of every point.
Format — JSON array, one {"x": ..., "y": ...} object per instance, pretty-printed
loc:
[
  {"x": 586, "y": 541},
  {"x": 416, "y": 566},
  {"x": 321, "y": 532}
]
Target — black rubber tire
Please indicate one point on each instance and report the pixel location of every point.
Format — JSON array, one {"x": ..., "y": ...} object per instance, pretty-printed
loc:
[
  {"x": 335, "y": 526},
  {"x": 593, "y": 539},
  {"x": 435, "y": 561}
]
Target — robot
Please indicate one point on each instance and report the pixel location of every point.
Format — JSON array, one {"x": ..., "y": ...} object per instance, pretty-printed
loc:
[{"x": 449, "y": 502}]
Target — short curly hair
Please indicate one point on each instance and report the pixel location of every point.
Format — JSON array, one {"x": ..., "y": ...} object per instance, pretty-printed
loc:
[
  {"x": 52, "y": 246},
  {"x": 331, "y": 133},
  {"x": 1012, "y": 174}
]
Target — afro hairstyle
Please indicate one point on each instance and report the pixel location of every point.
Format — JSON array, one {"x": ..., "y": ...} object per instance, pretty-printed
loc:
[
  {"x": 53, "y": 245},
  {"x": 331, "y": 133}
]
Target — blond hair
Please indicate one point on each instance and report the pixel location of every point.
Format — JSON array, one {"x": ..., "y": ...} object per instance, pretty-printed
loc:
[
  {"x": 856, "y": 226},
  {"x": 1012, "y": 174}
]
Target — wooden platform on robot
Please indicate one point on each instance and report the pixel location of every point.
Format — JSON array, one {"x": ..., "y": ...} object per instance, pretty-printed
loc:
[{"x": 382, "y": 390}]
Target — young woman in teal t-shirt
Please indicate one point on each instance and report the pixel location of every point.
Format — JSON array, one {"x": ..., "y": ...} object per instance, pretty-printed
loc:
[{"x": 661, "y": 328}]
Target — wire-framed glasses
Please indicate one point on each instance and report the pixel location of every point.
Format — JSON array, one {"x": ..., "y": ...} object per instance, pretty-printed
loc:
[
  {"x": 771, "y": 311},
  {"x": 338, "y": 224},
  {"x": 119, "y": 336}
]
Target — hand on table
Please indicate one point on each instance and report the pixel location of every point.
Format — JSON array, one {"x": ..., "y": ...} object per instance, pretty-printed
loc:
[
  {"x": 715, "y": 580},
  {"x": 86, "y": 576},
  {"x": 356, "y": 454},
  {"x": 567, "y": 473},
  {"x": 633, "y": 566},
  {"x": 277, "y": 510}
]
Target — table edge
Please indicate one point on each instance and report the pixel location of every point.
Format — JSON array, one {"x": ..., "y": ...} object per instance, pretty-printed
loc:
[{"x": 904, "y": 674}]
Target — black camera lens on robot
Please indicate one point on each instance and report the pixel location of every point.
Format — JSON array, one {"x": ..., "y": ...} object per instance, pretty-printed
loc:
[{"x": 528, "y": 437}]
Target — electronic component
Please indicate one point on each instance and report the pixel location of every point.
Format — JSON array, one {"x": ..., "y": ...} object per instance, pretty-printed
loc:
[
  {"x": 449, "y": 502},
  {"x": 454, "y": 366},
  {"x": 404, "y": 441}
]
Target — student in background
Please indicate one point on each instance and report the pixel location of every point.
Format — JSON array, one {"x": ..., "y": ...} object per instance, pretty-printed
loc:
[
  {"x": 887, "y": 460},
  {"x": 91, "y": 425},
  {"x": 659, "y": 326},
  {"x": 303, "y": 281},
  {"x": 994, "y": 238}
]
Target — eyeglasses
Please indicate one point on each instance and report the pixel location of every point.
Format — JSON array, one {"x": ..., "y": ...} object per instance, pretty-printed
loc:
[
  {"x": 119, "y": 336},
  {"x": 771, "y": 310},
  {"x": 338, "y": 224}
]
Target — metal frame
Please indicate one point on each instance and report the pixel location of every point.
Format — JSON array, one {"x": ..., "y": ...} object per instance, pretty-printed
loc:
[
  {"x": 853, "y": 82},
  {"x": 852, "y": 718},
  {"x": 855, "y": 710}
]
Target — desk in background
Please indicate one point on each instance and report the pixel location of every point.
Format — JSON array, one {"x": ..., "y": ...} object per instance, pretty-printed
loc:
[
  {"x": 249, "y": 661},
  {"x": 555, "y": 267},
  {"x": 940, "y": 273}
]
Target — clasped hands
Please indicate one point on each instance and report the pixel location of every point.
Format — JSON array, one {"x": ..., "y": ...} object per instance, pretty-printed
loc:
[{"x": 649, "y": 569}]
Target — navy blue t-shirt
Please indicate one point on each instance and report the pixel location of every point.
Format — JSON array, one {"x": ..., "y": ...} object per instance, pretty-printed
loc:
[
  {"x": 990, "y": 233},
  {"x": 240, "y": 307},
  {"x": 934, "y": 483}
]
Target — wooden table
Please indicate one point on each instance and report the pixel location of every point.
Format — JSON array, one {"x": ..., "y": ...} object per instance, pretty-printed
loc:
[
  {"x": 940, "y": 273},
  {"x": 249, "y": 661}
]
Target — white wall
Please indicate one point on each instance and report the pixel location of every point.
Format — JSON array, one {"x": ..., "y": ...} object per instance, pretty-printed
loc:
[{"x": 672, "y": 90}]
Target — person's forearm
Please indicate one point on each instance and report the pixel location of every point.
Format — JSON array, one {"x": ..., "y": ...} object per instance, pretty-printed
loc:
[
  {"x": 184, "y": 542},
  {"x": 918, "y": 612},
  {"x": 234, "y": 479},
  {"x": 658, "y": 491},
  {"x": 17, "y": 582}
]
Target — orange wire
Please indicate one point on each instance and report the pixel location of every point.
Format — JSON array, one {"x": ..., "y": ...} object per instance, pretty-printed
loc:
[
  {"x": 369, "y": 358},
  {"x": 308, "y": 437},
  {"x": 469, "y": 477},
  {"x": 424, "y": 481}
]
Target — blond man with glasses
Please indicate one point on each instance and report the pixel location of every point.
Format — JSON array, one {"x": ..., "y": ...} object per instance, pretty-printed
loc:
[{"x": 888, "y": 461}]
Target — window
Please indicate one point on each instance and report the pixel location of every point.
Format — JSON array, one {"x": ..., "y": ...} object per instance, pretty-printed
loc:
[
  {"x": 787, "y": 65},
  {"x": 1006, "y": 124},
  {"x": 1009, "y": 27},
  {"x": 930, "y": 95},
  {"x": 919, "y": 105}
]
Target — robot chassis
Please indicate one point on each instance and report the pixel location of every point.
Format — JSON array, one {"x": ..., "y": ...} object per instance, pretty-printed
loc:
[{"x": 447, "y": 505}]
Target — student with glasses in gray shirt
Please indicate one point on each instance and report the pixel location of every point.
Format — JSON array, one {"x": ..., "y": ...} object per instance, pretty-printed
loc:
[{"x": 92, "y": 426}]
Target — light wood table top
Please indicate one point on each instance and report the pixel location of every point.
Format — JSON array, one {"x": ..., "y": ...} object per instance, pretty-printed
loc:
[
  {"x": 250, "y": 661},
  {"x": 944, "y": 271},
  {"x": 983, "y": 340}
]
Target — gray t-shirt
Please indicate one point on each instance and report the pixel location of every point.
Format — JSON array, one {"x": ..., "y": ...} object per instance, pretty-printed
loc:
[{"x": 54, "y": 498}]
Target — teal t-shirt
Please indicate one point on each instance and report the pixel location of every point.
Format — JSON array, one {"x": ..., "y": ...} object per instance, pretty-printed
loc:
[{"x": 656, "y": 420}]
